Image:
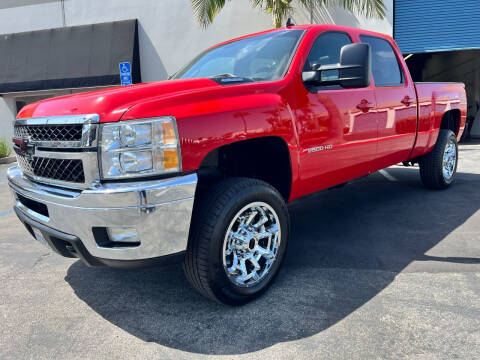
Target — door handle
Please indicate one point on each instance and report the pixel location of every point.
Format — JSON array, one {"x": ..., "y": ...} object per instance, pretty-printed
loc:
[
  {"x": 365, "y": 106},
  {"x": 407, "y": 101}
]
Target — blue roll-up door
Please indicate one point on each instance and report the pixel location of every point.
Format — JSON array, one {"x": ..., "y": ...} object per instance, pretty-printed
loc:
[{"x": 436, "y": 25}]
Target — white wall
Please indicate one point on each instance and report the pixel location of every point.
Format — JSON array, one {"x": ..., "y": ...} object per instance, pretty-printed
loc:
[
  {"x": 168, "y": 32},
  {"x": 7, "y": 116},
  {"x": 339, "y": 16},
  {"x": 27, "y": 15}
]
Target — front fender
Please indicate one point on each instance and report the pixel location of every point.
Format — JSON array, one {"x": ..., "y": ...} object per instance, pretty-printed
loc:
[{"x": 206, "y": 123}]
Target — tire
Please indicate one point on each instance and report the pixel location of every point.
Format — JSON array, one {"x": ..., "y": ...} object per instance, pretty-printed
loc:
[
  {"x": 432, "y": 164},
  {"x": 218, "y": 212}
]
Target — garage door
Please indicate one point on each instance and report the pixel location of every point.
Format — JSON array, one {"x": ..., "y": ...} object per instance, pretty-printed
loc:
[{"x": 433, "y": 25}]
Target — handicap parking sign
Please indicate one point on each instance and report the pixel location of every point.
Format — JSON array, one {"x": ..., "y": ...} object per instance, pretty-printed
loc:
[
  {"x": 126, "y": 80},
  {"x": 125, "y": 73}
]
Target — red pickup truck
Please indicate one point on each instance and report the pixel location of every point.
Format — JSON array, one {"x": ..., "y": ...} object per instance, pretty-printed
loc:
[{"x": 201, "y": 167}]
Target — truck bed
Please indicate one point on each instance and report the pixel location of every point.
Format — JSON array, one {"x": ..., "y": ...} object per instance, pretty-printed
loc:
[{"x": 434, "y": 99}]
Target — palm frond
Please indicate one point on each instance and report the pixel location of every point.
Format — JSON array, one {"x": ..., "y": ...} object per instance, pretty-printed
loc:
[
  {"x": 367, "y": 8},
  {"x": 206, "y": 10},
  {"x": 278, "y": 9}
]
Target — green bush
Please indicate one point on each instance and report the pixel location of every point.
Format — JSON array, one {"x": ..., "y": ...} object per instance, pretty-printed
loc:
[{"x": 4, "y": 149}]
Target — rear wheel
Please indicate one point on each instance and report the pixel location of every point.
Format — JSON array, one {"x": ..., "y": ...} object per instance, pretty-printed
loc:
[
  {"x": 438, "y": 168},
  {"x": 237, "y": 241}
]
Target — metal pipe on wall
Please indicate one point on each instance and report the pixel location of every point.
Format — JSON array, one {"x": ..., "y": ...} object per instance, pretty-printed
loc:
[{"x": 62, "y": 4}]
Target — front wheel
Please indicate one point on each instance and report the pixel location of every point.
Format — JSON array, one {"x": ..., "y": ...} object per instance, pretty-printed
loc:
[
  {"x": 237, "y": 240},
  {"x": 438, "y": 168}
]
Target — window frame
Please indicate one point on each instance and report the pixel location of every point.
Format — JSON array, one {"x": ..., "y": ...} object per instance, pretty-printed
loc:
[
  {"x": 322, "y": 34},
  {"x": 403, "y": 82},
  {"x": 325, "y": 87}
]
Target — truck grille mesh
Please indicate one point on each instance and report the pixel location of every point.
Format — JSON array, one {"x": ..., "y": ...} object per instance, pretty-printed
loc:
[
  {"x": 50, "y": 132},
  {"x": 57, "y": 169}
]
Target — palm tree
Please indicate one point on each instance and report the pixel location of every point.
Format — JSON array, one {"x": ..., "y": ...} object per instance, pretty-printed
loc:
[{"x": 206, "y": 10}]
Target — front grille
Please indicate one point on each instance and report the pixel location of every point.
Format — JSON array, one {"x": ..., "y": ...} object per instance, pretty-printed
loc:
[
  {"x": 49, "y": 132},
  {"x": 58, "y": 150},
  {"x": 70, "y": 170}
]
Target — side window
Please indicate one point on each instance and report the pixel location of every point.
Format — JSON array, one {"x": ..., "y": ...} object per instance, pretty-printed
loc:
[
  {"x": 326, "y": 49},
  {"x": 385, "y": 67}
]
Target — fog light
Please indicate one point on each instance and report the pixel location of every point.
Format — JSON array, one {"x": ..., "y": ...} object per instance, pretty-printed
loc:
[{"x": 124, "y": 235}]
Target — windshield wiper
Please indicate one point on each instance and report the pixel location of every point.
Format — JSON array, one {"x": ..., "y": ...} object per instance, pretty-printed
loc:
[{"x": 230, "y": 78}]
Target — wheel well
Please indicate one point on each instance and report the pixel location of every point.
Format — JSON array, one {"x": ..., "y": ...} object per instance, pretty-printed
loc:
[
  {"x": 451, "y": 121},
  {"x": 265, "y": 158}
]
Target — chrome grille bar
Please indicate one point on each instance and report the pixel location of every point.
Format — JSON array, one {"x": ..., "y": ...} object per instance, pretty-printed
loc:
[{"x": 76, "y": 131}]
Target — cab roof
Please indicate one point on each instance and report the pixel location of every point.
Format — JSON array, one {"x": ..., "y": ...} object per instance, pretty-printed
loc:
[{"x": 311, "y": 27}]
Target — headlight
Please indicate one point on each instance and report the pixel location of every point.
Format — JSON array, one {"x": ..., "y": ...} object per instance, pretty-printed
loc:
[{"x": 140, "y": 148}]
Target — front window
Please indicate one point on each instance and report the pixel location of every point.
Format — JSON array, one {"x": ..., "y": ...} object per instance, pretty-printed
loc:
[{"x": 258, "y": 58}]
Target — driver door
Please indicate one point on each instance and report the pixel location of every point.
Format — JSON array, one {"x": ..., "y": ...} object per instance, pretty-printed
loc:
[{"x": 337, "y": 126}]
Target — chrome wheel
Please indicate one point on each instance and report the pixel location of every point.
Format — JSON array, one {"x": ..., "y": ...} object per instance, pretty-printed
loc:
[
  {"x": 251, "y": 244},
  {"x": 449, "y": 159}
]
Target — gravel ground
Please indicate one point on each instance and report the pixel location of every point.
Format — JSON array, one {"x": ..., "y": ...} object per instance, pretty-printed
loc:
[{"x": 382, "y": 268}]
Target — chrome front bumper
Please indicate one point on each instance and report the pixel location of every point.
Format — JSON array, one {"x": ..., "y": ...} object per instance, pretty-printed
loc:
[{"x": 160, "y": 210}]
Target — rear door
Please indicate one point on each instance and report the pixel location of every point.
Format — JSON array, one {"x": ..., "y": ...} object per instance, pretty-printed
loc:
[
  {"x": 396, "y": 109},
  {"x": 337, "y": 129}
]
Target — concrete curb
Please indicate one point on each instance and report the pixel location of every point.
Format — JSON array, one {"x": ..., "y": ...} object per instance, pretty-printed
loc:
[{"x": 8, "y": 160}]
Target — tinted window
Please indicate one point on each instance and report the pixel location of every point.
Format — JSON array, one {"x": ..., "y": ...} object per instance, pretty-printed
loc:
[
  {"x": 326, "y": 49},
  {"x": 385, "y": 67}
]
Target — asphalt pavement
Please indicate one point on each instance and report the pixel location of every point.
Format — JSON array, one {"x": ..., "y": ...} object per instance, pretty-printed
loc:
[{"x": 382, "y": 268}]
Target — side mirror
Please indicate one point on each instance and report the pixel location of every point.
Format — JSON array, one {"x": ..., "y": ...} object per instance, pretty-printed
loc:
[
  {"x": 356, "y": 62},
  {"x": 353, "y": 71}
]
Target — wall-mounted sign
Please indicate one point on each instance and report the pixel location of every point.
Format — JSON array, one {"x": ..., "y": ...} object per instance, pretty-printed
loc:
[{"x": 125, "y": 73}]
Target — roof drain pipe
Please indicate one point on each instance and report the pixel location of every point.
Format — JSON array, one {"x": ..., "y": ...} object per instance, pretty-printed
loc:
[{"x": 62, "y": 4}]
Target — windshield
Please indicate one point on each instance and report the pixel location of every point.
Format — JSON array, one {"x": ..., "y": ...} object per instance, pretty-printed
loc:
[{"x": 258, "y": 58}]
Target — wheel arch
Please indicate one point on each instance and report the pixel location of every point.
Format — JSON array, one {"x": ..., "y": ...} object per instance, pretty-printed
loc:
[
  {"x": 451, "y": 121},
  {"x": 264, "y": 158}
]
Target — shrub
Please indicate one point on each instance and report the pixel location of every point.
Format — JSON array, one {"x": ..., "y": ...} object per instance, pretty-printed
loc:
[{"x": 4, "y": 149}]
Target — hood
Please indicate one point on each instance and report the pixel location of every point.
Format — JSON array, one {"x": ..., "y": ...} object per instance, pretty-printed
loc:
[{"x": 112, "y": 103}]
